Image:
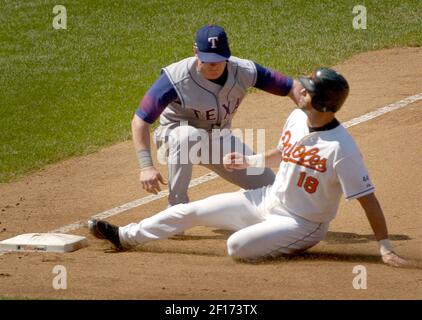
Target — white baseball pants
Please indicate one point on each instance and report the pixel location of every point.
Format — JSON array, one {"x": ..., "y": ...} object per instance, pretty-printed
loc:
[{"x": 260, "y": 231}]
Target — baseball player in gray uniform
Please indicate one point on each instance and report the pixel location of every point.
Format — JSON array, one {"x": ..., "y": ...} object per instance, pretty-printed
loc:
[
  {"x": 199, "y": 96},
  {"x": 318, "y": 161}
]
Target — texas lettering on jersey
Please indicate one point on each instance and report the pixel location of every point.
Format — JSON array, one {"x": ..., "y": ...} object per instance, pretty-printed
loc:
[
  {"x": 300, "y": 155},
  {"x": 211, "y": 114}
]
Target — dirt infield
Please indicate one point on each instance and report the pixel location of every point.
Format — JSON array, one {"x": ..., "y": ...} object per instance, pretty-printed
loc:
[{"x": 197, "y": 266}]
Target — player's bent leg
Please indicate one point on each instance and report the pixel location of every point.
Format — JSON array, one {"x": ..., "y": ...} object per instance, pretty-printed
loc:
[
  {"x": 275, "y": 236},
  {"x": 181, "y": 140},
  {"x": 230, "y": 211}
]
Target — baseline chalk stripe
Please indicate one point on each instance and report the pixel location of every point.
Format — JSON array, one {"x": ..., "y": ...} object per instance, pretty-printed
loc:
[
  {"x": 380, "y": 111},
  {"x": 211, "y": 176},
  {"x": 133, "y": 204}
]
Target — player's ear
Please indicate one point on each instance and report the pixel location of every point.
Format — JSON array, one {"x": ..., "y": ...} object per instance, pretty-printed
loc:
[
  {"x": 302, "y": 96},
  {"x": 195, "y": 50}
]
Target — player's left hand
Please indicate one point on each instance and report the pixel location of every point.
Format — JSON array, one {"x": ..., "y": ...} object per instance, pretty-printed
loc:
[
  {"x": 235, "y": 161},
  {"x": 295, "y": 92},
  {"x": 393, "y": 260}
]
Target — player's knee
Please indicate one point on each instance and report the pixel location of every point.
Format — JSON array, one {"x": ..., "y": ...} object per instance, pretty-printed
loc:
[
  {"x": 238, "y": 249},
  {"x": 181, "y": 142}
]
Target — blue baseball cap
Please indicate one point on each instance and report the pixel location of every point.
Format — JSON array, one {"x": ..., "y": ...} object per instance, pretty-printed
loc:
[{"x": 212, "y": 44}]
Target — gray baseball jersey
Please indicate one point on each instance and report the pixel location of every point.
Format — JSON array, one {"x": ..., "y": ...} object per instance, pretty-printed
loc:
[
  {"x": 203, "y": 103},
  {"x": 183, "y": 96}
]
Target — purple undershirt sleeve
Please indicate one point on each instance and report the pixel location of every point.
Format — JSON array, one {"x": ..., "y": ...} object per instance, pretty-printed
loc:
[
  {"x": 272, "y": 81},
  {"x": 158, "y": 96}
]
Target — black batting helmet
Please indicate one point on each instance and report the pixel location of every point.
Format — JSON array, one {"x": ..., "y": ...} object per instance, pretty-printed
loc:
[{"x": 329, "y": 89}]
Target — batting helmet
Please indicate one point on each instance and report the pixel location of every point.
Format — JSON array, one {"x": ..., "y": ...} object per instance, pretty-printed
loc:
[{"x": 328, "y": 88}]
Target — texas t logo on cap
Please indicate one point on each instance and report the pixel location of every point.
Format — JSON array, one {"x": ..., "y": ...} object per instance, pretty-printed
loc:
[
  {"x": 213, "y": 41},
  {"x": 212, "y": 44}
]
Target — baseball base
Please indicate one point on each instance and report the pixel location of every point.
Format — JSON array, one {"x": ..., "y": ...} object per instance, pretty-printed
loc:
[{"x": 43, "y": 242}]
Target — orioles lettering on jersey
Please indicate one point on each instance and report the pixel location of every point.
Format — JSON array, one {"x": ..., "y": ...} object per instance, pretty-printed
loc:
[{"x": 300, "y": 155}]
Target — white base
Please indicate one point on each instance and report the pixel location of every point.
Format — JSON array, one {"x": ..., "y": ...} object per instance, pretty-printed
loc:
[{"x": 43, "y": 242}]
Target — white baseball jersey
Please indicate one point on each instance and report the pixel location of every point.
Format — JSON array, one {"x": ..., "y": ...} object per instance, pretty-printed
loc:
[{"x": 316, "y": 169}]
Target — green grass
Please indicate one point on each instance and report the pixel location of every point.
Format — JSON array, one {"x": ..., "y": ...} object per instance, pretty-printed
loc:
[{"x": 69, "y": 92}]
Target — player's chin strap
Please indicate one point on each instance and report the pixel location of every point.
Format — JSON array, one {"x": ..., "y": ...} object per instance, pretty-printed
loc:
[{"x": 385, "y": 246}]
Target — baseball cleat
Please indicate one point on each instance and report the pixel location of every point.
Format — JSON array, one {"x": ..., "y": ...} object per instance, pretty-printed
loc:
[{"x": 104, "y": 230}]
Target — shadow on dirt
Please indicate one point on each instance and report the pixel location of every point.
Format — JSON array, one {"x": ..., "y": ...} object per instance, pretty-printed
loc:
[
  {"x": 327, "y": 256},
  {"x": 220, "y": 235},
  {"x": 310, "y": 256},
  {"x": 330, "y": 238},
  {"x": 334, "y": 257},
  {"x": 350, "y": 237}
]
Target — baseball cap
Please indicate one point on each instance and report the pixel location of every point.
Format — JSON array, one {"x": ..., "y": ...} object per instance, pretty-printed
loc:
[{"x": 212, "y": 44}]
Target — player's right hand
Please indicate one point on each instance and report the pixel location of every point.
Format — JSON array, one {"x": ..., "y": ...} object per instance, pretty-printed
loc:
[
  {"x": 235, "y": 161},
  {"x": 393, "y": 260},
  {"x": 150, "y": 178}
]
